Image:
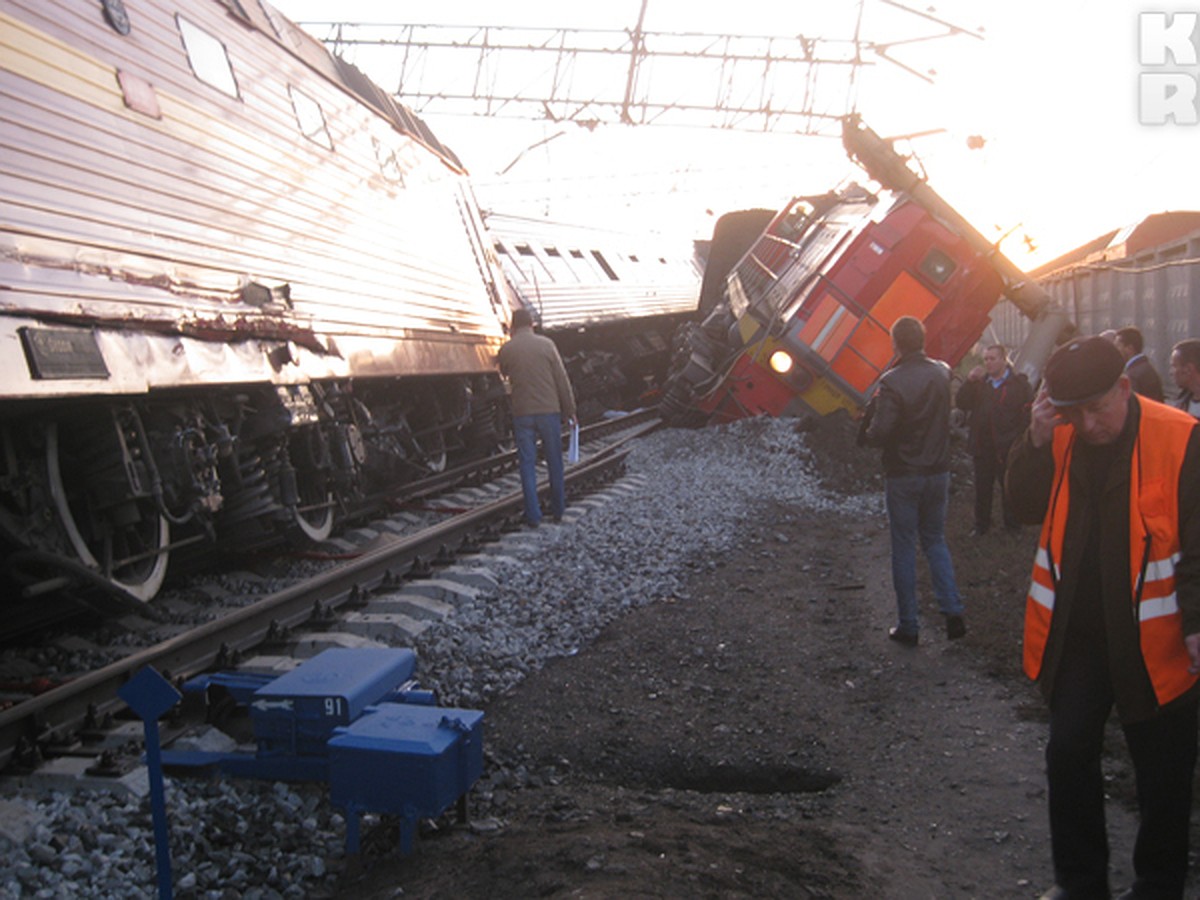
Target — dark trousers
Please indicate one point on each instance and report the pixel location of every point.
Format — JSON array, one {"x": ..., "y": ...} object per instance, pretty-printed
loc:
[
  {"x": 989, "y": 472},
  {"x": 1163, "y": 750}
]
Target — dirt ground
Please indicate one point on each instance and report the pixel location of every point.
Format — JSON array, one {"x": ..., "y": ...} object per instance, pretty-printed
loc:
[{"x": 761, "y": 737}]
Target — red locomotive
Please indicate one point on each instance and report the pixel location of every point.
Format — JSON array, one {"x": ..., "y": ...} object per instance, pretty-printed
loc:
[
  {"x": 804, "y": 326},
  {"x": 803, "y": 322}
]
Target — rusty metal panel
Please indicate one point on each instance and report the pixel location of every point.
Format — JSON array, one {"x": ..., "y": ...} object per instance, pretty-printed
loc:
[
  {"x": 1158, "y": 291},
  {"x": 217, "y": 219},
  {"x": 1184, "y": 284}
]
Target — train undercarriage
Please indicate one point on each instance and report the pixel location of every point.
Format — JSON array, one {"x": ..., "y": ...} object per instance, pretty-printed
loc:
[{"x": 107, "y": 491}]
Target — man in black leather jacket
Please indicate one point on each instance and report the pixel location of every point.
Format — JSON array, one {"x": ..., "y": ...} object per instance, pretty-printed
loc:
[
  {"x": 997, "y": 399},
  {"x": 909, "y": 418}
]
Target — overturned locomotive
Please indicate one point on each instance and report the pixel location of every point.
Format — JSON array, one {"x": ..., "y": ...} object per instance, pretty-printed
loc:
[{"x": 802, "y": 325}]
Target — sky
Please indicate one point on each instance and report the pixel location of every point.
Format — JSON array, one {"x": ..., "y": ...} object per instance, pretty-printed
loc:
[{"x": 1050, "y": 85}]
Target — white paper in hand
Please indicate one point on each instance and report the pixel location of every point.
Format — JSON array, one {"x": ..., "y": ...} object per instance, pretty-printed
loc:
[{"x": 573, "y": 444}]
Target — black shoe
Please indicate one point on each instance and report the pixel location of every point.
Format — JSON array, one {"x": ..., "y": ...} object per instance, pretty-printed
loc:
[
  {"x": 907, "y": 638},
  {"x": 557, "y": 520},
  {"x": 955, "y": 628}
]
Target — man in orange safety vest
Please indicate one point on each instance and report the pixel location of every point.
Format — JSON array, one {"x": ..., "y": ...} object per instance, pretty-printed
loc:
[{"x": 1112, "y": 617}]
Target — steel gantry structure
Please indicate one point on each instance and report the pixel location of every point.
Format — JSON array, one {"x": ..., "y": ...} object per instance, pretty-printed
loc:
[{"x": 801, "y": 84}]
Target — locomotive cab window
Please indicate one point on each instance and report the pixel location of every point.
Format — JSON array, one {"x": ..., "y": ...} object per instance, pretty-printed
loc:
[
  {"x": 207, "y": 57},
  {"x": 937, "y": 266},
  {"x": 310, "y": 118}
]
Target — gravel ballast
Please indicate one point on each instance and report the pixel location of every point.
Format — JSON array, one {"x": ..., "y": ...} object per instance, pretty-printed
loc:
[{"x": 677, "y": 510}]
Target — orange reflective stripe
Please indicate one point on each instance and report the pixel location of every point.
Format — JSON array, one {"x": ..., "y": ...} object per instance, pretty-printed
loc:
[
  {"x": 1039, "y": 603},
  {"x": 1037, "y": 628}
]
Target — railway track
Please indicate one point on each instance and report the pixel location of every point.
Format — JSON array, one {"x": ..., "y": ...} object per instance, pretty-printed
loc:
[{"x": 57, "y": 720}]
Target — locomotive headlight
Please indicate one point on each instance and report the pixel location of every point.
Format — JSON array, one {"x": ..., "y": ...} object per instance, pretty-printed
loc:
[{"x": 781, "y": 362}]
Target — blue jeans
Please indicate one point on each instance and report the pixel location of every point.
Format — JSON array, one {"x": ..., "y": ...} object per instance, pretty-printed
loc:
[
  {"x": 526, "y": 431},
  {"x": 916, "y": 508}
]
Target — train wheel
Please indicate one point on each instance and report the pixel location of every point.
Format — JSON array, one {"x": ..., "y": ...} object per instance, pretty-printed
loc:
[
  {"x": 314, "y": 514},
  {"x": 126, "y": 543},
  {"x": 433, "y": 451},
  {"x": 311, "y": 497}
]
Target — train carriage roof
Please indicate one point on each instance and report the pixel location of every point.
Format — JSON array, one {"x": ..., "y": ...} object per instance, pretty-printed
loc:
[
  {"x": 1123, "y": 243},
  {"x": 291, "y": 37}
]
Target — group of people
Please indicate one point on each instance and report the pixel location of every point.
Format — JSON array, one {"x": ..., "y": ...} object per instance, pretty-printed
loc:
[{"x": 1112, "y": 617}]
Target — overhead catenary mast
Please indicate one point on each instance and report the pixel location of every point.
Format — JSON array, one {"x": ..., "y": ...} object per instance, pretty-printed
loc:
[{"x": 878, "y": 157}]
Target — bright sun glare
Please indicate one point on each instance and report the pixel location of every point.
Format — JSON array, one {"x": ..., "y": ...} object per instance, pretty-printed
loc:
[{"x": 1030, "y": 124}]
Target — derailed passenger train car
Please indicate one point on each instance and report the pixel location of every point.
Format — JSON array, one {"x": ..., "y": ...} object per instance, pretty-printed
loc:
[
  {"x": 243, "y": 291},
  {"x": 241, "y": 288},
  {"x": 610, "y": 302}
]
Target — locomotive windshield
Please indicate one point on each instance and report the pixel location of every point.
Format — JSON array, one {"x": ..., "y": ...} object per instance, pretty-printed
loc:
[{"x": 773, "y": 279}]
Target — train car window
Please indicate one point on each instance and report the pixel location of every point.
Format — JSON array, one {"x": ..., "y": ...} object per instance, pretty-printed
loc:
[
  {"x": 139, "y": 94},
  {"x": 310, "y": 118},
  {"x": 559, "y": 267},
  {"x": 116, "y": 16},
  {"x": 937, "y": 266},
  {"x": 791, "y": 226},
  {"x": 608, "y": 270},
  {"x": 207, "y": 57},
  {"x": 287, "y": 33},
  {"x": 236, "y": 9}
]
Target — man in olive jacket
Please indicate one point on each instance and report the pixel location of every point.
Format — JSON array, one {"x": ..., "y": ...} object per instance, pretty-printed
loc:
[
  {"x": 1113, "y": 611},
  {"x": 541, "y": 399}
]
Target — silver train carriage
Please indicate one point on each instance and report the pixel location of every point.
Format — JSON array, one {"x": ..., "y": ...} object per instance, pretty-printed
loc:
[
  {"x": 610, "y": 300},
  {"x": 241, "y": 288}
]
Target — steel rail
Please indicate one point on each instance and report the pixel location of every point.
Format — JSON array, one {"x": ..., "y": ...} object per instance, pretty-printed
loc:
[
  {"x": 502, "y": 462},
  {"x": 66, "y": 708}
]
